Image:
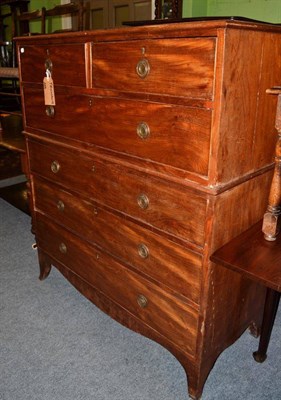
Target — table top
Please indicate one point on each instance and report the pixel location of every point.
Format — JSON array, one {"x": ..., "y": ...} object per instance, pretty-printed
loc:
[
  {"x": 162, "y": 21},
  {"x": 253, "y": 257}
]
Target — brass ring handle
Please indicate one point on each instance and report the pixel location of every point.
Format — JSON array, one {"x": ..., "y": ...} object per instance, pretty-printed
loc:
[
  {"x": 143, "y": 68},
  {"x": 142, "y": 301},
  {"x": 63, "y": 248},
  {"x": 143, "y": 251},
  {"x": 143, "y": 130},
  {"x": 55, "y": 167},
  {"x": 143, "y": 201},
  {"x": 48, "y": 64},
  {"x": 60, "y": 205},
  {"x": 50, "y": 111}
]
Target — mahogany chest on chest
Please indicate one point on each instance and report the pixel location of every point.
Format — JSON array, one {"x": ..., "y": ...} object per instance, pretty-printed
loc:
[{"x": 157, "y": 150}]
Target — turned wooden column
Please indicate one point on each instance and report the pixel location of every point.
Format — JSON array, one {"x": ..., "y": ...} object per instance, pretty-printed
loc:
[
  {"x": 175, "y": 5},
  {"x": 271, "y": 219}
]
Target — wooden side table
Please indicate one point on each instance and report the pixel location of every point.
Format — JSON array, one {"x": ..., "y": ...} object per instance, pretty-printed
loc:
[{"x": 260, "y": 260}]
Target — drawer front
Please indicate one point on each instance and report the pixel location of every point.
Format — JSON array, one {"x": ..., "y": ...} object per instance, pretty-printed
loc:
[
  {"x": 163, "y": 312},
  {"x": 172, "y": 208},
  {"x": 66, "y": 61},
  {"x": 173, "y": 135},
  {"x": 163, "y": 260},
  {"x": 177, "y": 67}
]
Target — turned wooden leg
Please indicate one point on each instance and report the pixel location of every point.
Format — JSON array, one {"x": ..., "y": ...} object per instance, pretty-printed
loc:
[
  {"x": 44, "y": 265},
  {"x": 271, "y": 219},
  {"x": 270, "y": 309}
]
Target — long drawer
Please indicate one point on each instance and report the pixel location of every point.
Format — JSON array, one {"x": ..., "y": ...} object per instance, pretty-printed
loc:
[
  {"x": 164, "y": 133},
  {"x": 166, "y": 206},
  {"x": 179, "y": 67},
  {"x": 66, "y": 62},
  {"x": 168, "y": 315},
  {"x": 171, "y": 264}
]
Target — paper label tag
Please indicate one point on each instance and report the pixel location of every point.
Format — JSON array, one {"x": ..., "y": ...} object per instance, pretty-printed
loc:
[{"x": 49, "y": 91}]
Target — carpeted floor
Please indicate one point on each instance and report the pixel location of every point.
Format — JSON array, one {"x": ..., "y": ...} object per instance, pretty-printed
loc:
[{"x": 56, "y": 345}]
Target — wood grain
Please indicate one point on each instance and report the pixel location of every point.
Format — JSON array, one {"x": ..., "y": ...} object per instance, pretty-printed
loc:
[
  {"x": 246, "y": 128},
  {"x": 171, "y": 207},
  {"x": 175, "y": 132},
  {"x": 121, "y": 285},
  {"x": 170, "y": 264},
  {"x": 170, "y": 73},
  {"x": 68, "y": 62}
]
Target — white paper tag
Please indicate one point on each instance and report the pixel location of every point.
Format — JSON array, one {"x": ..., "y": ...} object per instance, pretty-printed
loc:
[{"x": 49, "y": 91}]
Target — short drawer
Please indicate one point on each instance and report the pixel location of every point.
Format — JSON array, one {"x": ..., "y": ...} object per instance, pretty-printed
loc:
[
  {"x": 173, "y": 208},
  {"x": 173, "y": 135},
  {"x": 157, "y": 308},
  {"x": 153, "y": 255},
  {"x": 177, "y": 67},
  {"x": 66, "y": 62}
]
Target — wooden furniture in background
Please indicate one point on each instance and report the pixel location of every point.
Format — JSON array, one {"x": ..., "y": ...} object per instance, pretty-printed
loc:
[
  {"x": 76, "y": 9},
  {"x": 12, "y": 143},
  {"x": 24, "y": 19},
  {"x": 259, "y": 260},
  {"x": 10, "y": 112},
  {"x": 168, "y": 9},
  {"x": 16, "y": 7},
  {"x": 156, "y": 152}
]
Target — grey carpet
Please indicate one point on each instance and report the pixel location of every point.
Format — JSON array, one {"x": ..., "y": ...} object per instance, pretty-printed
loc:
[{"x": 56, "y": 345}]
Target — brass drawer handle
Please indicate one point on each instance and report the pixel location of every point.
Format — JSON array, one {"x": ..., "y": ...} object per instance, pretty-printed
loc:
[
  {"x": 55, "y": 167},
  {"x": 48, "y": 64},
  {"x": 143, "y": 130},
  {"x": 143, "y": 68},
  {"x": 60, "y": 205},
  {"x": 143, "y": 201},
  {"x": 143, "y": 251},
  {"x": 63, "y": 248},
  {"x": 142, "y": 301},
  {"x": 50, "y": 111}
]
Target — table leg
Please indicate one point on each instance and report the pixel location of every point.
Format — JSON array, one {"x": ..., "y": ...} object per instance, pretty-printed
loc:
[{"x": 270, "y": 310}]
